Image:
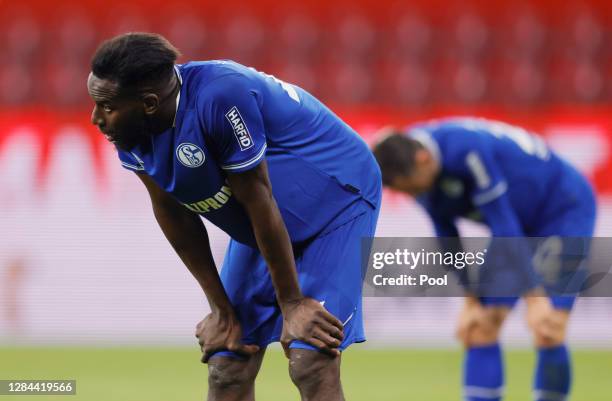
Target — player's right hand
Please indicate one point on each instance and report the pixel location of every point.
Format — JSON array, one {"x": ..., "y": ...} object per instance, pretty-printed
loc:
[
  {"x": 542, "y": 319},
  {"x": 308, "y": 321},
  {"x": 472, "y": 315},
  {"x": 221, "y": 332}
]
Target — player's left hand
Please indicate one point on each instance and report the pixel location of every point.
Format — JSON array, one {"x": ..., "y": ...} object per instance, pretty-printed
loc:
[{"x": 308, "y": 321}]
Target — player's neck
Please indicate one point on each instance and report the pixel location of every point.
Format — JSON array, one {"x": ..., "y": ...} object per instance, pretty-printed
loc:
[{"x": 165, "y": 118}]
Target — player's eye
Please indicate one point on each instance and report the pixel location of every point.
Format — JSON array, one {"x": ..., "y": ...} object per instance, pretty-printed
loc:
[{"x": 107, "y": 108}]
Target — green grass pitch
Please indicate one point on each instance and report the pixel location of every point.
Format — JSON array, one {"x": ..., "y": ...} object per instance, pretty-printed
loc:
[{"x": 173, "y": 374}]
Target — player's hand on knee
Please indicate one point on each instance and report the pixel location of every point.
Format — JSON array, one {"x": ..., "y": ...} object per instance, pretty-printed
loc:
[
  {"x": 545, "y": 324},
  {"x": 472, "y": 316},
  {"x": 308, "y": 321},
  {"x": 221, "y": 332}
]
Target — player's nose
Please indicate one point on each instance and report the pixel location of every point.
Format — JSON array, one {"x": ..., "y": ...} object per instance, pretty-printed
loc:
[{"x": 96, "y": 119}]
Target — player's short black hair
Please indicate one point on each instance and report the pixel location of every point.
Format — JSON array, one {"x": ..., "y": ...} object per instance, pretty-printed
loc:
[
  {"x": 134, "y": 59},
  {"x": 395, "y": 155}
]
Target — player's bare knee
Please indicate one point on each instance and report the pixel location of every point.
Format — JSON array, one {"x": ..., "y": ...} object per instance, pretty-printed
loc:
[
  {"x": 480, "y": 337},
  {"x": 556, "y": 337},
  {"x": 487, "y": 332},
  {"x": 227, "y": 373},
  {"x": 549, "y": 342},
  {"x": 310, "y": 369},
  {"x": 497, "y": 316},
  {"x": 553, "y": 339}
]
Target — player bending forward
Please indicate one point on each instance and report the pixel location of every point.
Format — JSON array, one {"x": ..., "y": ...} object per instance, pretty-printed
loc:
[
  {"x": 504, "y": 177},
  {"x": 293, "y": 186}
]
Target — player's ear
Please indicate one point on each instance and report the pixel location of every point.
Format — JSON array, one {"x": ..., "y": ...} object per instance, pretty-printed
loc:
[
  {"x": 422, "y": 156},
  {"x": 150, "y": 102}
]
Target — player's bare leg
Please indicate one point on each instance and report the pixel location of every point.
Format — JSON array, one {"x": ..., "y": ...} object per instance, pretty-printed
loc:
[
  {"x": 479, "y": 329},
  {"x": 231, "y": 379},
  {"x": 479, "y": 325},
  {"x": 556, "y": 337},
  {"x": 553, "y": 373},
  {"x": 316, "y": 375}
]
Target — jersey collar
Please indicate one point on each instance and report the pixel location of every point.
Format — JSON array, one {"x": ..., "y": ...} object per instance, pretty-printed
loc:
[{"x": 178, "y": 95}]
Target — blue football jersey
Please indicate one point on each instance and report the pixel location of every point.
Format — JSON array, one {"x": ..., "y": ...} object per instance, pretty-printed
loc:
[
  {"x": 508, "y": 179},
  {"x": 497, "y": 174},
  {"x": 230, "y": 118}
]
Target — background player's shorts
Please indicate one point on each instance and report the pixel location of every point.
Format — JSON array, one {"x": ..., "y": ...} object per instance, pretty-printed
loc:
[
  {"x": 567, "y": 236},
  {"x": 329, "y": 270}
]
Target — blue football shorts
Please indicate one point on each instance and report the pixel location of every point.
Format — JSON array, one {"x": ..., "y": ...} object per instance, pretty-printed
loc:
[
  {"x": 329, "y": 270},
  {"x": 573, "y": 228}
]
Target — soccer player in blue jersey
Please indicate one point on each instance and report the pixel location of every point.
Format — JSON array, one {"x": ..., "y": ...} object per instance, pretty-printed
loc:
[
  {"x": 293, "y": 186},
  {"x": 508, "y": 179}
]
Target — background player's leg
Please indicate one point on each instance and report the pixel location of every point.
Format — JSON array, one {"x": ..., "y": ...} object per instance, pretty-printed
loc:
[
  {"x": 316, "y": 375},
  {"x": 553, "y": 375},
  {"x": 233, "y": 379},
  {"x": 483, "y": 378},
  {"x": 575, "y": 227}
]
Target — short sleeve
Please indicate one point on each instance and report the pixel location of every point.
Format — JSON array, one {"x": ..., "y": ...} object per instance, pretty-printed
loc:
[
  {"x": 231, "y": 114},
  {"x": 444, "y": 227},
  {"x": 488, "y": 179},
  {"x": 508, "y": 270}
]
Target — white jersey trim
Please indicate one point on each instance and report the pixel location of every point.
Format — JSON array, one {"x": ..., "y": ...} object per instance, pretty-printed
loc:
[
  {"x": 247, "y": 163},
  {"x": 178, "y": 95},
  {"x": 132, "y": 166},
  {"x": 427, "y": 141},
  {"x": 478, "y": 170},
  {"x": 493, "y": 193}
]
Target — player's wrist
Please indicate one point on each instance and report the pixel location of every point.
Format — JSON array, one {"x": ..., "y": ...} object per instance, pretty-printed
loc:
[
  {"x": 471, "y": 299},
  {"x": 534, "y": 295},
  {"x": 287, "y": 304},
  {"x": 222, "y": 310}
]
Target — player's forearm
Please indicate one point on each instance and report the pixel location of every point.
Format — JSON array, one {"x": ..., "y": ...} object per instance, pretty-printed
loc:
[
  {"x": 253, "y": 190},
  {"x": 275, "y": 246},
  {"x": 509, "y": 240},
  {"x": 189, "y": 238}
]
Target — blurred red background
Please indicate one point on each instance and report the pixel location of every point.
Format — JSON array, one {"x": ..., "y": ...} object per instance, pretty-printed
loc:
[
  {"x": 415, "y": 54},
  {"x": 539, "y": 64}
]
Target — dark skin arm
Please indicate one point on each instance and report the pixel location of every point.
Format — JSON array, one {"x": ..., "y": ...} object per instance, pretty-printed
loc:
[
  {"x": 187, "y": 235},
  {"x": 305, "y": 319}
]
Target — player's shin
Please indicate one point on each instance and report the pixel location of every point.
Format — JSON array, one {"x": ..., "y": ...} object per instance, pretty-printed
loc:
[
  {"x": 553, "y": 374},
  {"x": 483, "y": 378}
]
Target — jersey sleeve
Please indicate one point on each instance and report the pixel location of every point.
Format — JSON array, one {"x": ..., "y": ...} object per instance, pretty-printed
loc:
[
  {"x": 231, "y": 114},
  {"x": 443, "y": 226},
  {"x": 489, "y": 194},
  {"x": 508, "y": 266}
]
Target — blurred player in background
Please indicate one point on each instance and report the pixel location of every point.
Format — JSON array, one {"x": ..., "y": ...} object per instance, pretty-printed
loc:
[
  {"x": 293, "y": 186},
  {"x": 512, "y": 182}
]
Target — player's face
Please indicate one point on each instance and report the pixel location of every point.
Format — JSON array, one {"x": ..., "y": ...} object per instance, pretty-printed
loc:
[
  {"x": 413, "y": 184},
  {"x": 422, "y": 177},
  {"x": 120, "y": 117}
]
